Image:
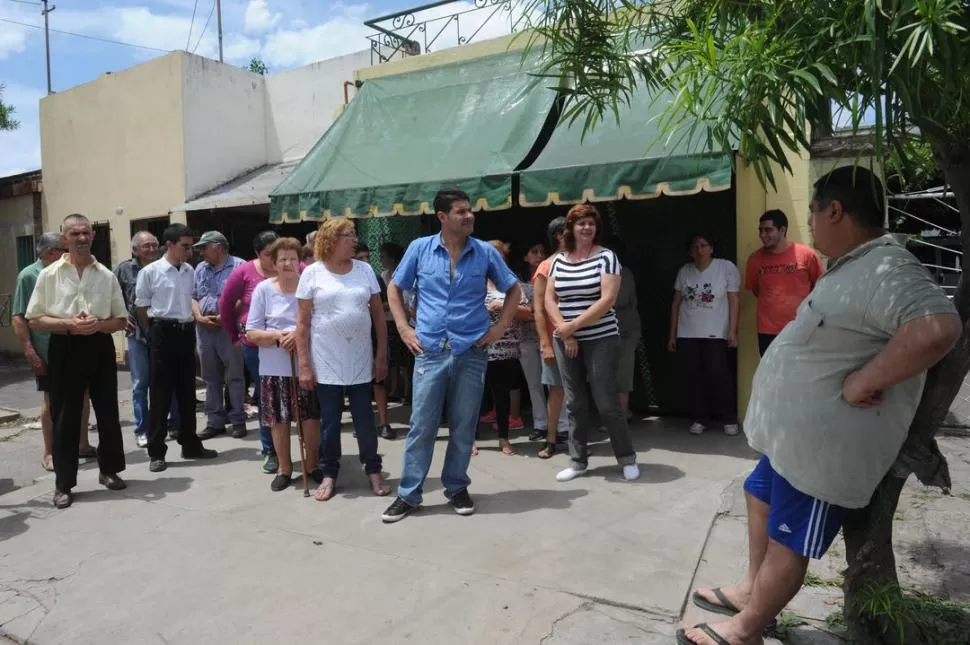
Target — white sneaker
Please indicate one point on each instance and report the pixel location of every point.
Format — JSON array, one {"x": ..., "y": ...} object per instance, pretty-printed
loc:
[
  {"x": 731, "y": 429},
  {"x": 142, "y": 440},
  {"x": 569, "y": 474},
  {"x": 697, "y": 428},
  {"x": 631, "y": 472}
]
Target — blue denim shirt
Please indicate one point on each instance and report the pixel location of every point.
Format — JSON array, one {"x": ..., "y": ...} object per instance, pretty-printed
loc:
[
  {"x": 451, "y": 310},
  {"x": 210, "y": 282}
]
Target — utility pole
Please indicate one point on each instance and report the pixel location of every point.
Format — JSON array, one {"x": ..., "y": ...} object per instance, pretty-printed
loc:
[
  {"x": 219, "y": 25},
  {"x": 47, "y": 41}
]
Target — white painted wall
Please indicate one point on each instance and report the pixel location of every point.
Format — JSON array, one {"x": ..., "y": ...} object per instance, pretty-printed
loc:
[
  {"x": 302, "y": 103},
  {"x": 224, "y": 117}
]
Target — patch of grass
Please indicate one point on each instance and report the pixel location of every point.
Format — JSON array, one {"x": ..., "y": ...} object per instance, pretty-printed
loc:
[
  {"x": 940, "y": 621},
  {"x": 787, "y": 621},
  {"x": 836, "y": 622},
  {"x": 812, "y": 579}
]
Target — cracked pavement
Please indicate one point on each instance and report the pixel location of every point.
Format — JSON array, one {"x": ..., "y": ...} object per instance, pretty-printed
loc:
[{"x": 205, "y": 552}]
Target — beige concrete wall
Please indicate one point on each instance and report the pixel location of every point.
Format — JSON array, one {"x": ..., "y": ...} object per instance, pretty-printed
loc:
[
  {"x": 444, "y": 57},
  {"x": 16, "y": 219},
  {"x": 223, "y": 123},
  {"x": 791, "y": 195},
  {"x": 113, "y": 148}
]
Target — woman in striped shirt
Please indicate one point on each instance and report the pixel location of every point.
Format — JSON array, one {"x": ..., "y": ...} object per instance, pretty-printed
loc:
[{"x": 583, "y": 283}]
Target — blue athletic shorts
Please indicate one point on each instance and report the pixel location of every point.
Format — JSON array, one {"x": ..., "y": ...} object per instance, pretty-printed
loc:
[{"x": 802, "y": 523}]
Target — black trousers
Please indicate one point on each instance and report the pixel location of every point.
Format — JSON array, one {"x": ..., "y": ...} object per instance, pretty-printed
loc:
[
  {"x": 500, "y": 379},
  {"x": 710, "y": 384},
  {"x": 172, "y": 355},
  {"x": 764, "y": 341},
  {"x": 77, "y": 364}
]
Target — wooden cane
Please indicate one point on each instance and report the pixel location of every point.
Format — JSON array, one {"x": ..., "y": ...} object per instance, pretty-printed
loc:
[{"x": 295, "y": 402}]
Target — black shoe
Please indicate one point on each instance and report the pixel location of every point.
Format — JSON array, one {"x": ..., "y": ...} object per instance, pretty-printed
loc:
[
  {"x": 397, "y": 511},
  {"x": 157, "y": 465},
  {"x": 112, "y": 481},
  {"x": 562, "y": 437},
  {"x": 462, "y": 502},
  {"x": 173, "y": 434},
  {"x": 210, "y": 432},
  {"x": 537, "y": 435},
  {"x": 280, "y": 482},
  {"x": 199, "y": 453},
  {"x": 238, "y": 431},
  {"x": 386, "y": 432},
  {"x": 316, "y": 475},
  {"x": 62, "y": 500},
  {"x": 271, "y": 463}
]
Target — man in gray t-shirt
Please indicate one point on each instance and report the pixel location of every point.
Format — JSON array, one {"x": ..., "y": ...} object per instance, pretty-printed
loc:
[{"x": 831, "y": 422}]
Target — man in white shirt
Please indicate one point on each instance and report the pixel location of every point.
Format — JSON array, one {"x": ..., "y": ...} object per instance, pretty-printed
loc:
[
  {"x": 163, "y": 301},
  {"x": 79, "y": 301}
]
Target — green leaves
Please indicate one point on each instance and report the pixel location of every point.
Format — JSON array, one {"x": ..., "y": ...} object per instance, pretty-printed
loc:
[
  {"x": 7, "y": 121},
  {"x": 756, "y": 75}
]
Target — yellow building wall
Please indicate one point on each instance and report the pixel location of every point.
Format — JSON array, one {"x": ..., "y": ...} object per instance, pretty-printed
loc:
[
  {"x": 791, "y": 195},
  {"x": 112, "y": 148}
]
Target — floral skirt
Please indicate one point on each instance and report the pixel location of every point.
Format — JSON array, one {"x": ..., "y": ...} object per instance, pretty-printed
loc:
[{"x": 276, "y": 401}]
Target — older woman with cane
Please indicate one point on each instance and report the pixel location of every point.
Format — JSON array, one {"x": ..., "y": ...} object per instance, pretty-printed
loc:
[
  {"x": 339, "y": 302},
  {"x": 271, "y": 326}
]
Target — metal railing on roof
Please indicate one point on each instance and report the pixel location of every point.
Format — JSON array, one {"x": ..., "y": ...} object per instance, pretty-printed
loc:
[
  {"x": 947, "y": 262},
  {"x": 441, "y": 25}
]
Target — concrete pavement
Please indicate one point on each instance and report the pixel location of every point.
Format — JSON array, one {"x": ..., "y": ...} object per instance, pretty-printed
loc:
[{"x": 205, "y": 552}]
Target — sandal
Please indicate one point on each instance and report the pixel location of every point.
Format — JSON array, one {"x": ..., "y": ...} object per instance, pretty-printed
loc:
[
  {"x": 506, "y": 447},
  {"x": 47, "y": 463},
  {"x": 548, "y": 450},
  {"x": 325, "y": 491},
  {"x": 377, "y": 484},
  {"x": 725, "y": 607},
  {"x": 474, "y": 450},
  {"x": 682, "y": 638}
]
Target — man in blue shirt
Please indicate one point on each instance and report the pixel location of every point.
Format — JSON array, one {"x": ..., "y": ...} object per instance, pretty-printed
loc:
[
  {"x": 222, "y": 362},
  {"x": 450, "y": 271}
]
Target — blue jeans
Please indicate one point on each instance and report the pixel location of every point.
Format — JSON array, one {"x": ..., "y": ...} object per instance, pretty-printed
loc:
[
  {"x": 251, "y": 358},
  {"x": 139, "y": 368},
  {"x": 437, "y": 376},
  {"x": 331, "y": 399}
]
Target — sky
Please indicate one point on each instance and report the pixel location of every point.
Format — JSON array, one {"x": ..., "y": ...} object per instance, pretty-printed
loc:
[{"x": 284, "y": 33}]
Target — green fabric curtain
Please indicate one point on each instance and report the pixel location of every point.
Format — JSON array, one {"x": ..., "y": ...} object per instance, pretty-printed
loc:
[
  {"x": 628, "y": 160},
  {"x": 403, "y": 138}
]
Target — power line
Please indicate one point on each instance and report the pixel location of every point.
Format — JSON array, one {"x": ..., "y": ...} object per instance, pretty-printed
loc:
[
  {"x": 87, "y": 36},
  {"x": 36, "y": 4},
  {"x": 205, "y": 26},
  {"x": 188, "y": 40}
]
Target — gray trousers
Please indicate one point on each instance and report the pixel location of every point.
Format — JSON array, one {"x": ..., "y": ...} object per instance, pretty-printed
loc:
[
  {"x": 221, "y": 363},
  {"x": 594, "y": 370}
]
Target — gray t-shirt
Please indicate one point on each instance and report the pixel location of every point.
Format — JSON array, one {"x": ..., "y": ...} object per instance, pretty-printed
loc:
[{"x": 820, "y": 444}]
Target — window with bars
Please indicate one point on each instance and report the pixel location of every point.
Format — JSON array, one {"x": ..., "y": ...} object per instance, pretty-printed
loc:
[{"x": 25, "y": 251}]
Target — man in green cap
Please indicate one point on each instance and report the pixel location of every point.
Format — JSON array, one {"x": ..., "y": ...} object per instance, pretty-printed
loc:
[{"x": 222, "y": 362}]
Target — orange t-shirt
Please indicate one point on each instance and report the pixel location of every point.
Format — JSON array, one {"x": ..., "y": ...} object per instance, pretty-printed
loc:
[
  {"x": 543, "y": 270},
  {"x": 782, "y": 281}
]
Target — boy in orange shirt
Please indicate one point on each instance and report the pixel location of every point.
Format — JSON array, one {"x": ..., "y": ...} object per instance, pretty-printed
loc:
[{"x": 781, "y": 274}]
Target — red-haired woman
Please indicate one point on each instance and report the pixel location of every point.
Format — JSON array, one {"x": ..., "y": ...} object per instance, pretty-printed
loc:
[{"x": 583, "y": 283}]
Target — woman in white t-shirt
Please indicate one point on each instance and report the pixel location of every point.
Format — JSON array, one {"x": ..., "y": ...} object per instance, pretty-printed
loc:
[
  {"x": 271, "y": 326},
  {"x": 339, "y": 302},
  {"x": 703, "y": 325}
]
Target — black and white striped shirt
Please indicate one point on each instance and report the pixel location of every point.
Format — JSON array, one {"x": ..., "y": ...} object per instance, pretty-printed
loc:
[{"x": 579, "y": 286}]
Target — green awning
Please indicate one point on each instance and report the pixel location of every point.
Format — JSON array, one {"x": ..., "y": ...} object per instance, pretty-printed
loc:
[
  {"x": 630, "y": 160},
  {"x": 464, "y": 125}
]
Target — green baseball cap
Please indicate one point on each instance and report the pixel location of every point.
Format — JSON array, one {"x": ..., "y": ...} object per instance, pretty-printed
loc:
[{"x": 212, "y": 237}]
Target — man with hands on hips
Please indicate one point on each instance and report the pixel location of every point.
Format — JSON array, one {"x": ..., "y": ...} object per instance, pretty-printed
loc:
[
  {"x": 832, "y": 401},
  {"x": 450, "y": 271}
]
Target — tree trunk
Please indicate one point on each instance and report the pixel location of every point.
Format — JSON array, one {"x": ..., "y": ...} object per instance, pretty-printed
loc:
[{"x": 868, "y": 532}]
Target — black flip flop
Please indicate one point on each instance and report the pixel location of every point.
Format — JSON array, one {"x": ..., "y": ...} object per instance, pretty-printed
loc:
[
  {"x": 704, "y": 627},
  {"x": 727, "y": 608}
]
